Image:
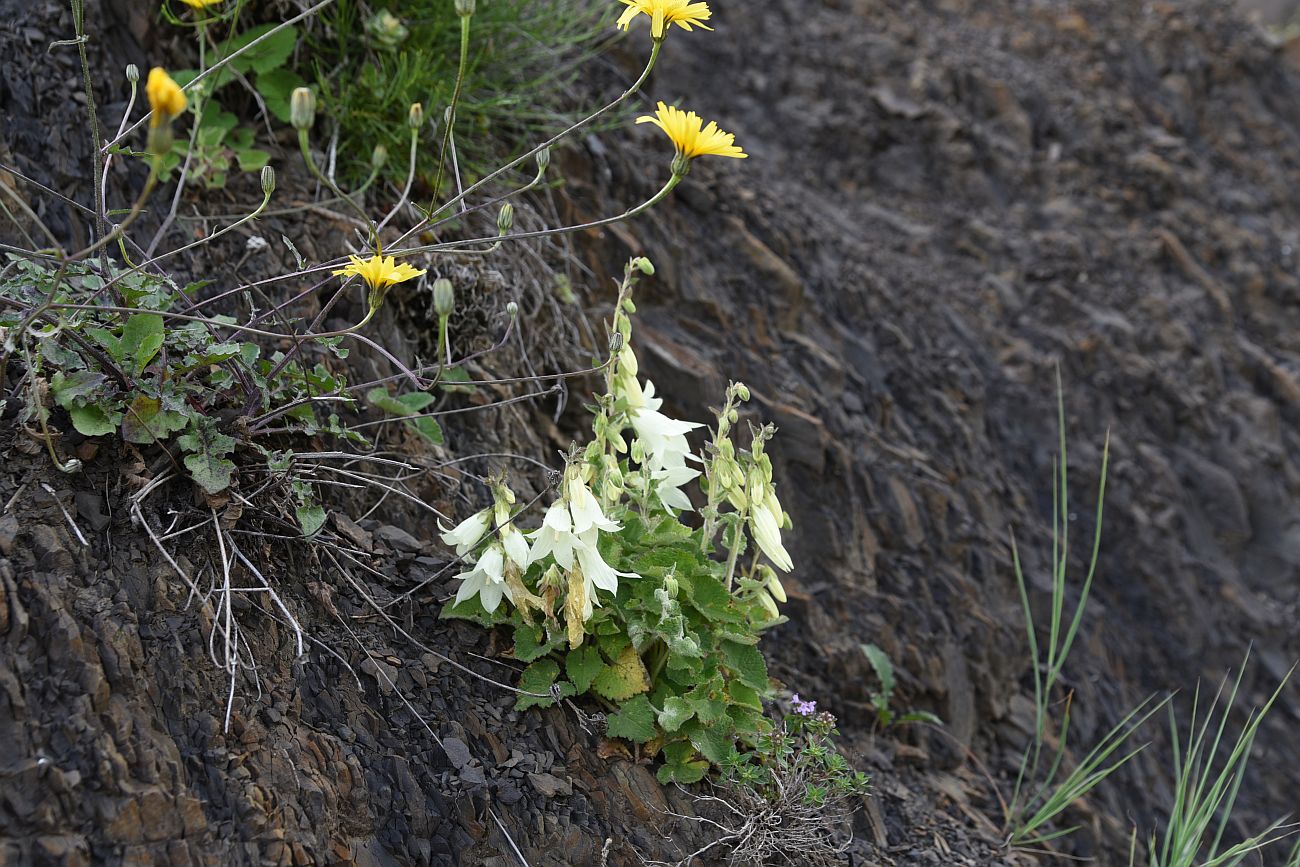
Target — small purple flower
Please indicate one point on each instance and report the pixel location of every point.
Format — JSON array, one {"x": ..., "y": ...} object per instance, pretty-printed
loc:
[{"x": 804, "y": 708}]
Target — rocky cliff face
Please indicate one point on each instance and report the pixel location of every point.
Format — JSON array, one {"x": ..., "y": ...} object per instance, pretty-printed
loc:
[{"x": 946, "y": 202}]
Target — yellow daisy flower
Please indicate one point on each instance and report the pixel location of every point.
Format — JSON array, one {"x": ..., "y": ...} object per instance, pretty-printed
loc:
[
  {"x": 379, "y": 272},
  {"x": 200, "y": 4},
  {"x": 165, "y": 96},
  {"x": 684, "y": 13},
  {"x": 691, "y": 141}
]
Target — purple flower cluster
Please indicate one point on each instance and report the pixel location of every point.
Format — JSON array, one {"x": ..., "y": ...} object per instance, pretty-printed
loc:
[{"x": 804, "y": 708}]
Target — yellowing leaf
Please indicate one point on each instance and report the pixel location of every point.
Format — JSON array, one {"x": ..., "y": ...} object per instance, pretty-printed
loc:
[{"x": 626, "y": 677}]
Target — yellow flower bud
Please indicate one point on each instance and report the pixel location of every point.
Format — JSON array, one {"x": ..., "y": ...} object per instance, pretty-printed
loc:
[{"x": 302, "y": 108}]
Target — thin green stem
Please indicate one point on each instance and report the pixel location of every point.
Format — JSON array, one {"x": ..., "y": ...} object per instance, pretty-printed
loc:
[
  {"x": 450, "y": 119},
  {"x": 513, "y": 164}
]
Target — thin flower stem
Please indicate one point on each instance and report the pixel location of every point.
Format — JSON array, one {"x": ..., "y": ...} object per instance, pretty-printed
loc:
[
  {"x": 510, "y": 166},
  {"x": 450, "y": 120}
]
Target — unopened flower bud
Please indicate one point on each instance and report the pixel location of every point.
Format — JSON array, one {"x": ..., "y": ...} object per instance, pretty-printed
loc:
[
  {"x": 615, "y": 342},
  {"x": 378, "y": 157},
  {"x": 512, "y": 309},
  {"x": 268, "y": 180},
  {"x": 670, "y": 585},
  {"x": 644, "y": 265},
  {"x": 543, "y": 159},
  {"x": 774, "y": 585},
  {"x": 444, "y": 297},
  {"x": 302, "y": 108},
  {"x": 628, "y": 307},
  {"x": 742, "y": 391},
  {"x": 465, "y": 7},
  {"x": 768, "y": 603},
  {"x": 506, "y": 218},
  {"x": 415, "y": 117},
  {"x": 132, "y": 73}
]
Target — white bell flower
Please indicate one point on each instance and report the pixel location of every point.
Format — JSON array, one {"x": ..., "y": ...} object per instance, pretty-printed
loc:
[
  {"x": 555, "y": 537},
  {"x": 668, "y": 486},
  {"x": 466, "y": 535},
  {"x": 585, "y": 508},
  {"x": 765, "y": 524},
  {"x": 487, "y": 580},
  {"x": 663, "y": 439},
  {"x": 516, "y": 546}
]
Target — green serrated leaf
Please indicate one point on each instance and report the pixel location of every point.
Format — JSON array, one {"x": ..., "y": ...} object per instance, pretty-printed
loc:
[
  {"x": 744, "y": 695},
  {"x": 145, "y": 421},
  {"x": 311, "y": 519},
  {"x": 71, "y": 389},
  {"x": 207, "y": 461},
  {"x": 428, "y": 428},
  {"x": 531, "y": 642},
  {"x": 747, "y": 662},
  {"x": 92, "y": 421},
  {"x": 677, "y": 710},
  {"x": 681, "y": 765},
  {"x": 582, "y": 666},
  {"x": 269, "y": 54},
  {"x": 539, "y": 677},
  {"x": 634, "y": 721},
  {"x": 713, "y": 742}
]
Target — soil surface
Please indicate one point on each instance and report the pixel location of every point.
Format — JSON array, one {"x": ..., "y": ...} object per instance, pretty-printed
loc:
[{"x": 946, "y": 202}]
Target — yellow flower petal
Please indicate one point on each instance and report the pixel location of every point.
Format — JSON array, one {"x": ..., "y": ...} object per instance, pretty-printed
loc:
[
  {"x": 662, "y": 13},
  {"x": 165, "y": 96},
  {"x": 200, "y": 4},
  {"x": 690, "y": 137},
  {"x": 379, "y": 271}
]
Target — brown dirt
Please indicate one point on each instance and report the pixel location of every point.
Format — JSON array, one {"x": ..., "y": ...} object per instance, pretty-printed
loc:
[{"x": 945, "y": 200}]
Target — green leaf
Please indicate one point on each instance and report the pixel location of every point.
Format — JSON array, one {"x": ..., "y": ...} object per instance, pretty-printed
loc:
[
  {"x": 267, "y": 55},
  {"x": 748, "y": 664},
  {"x": 276, "y": 87},
  {"x": 919, "y": 716},
  {"x": 146, "y": 422},
  {"x": 634, "y": 721},
  {"x": 92, "y": 421},
  {"x": 472, "y": 610},
  {"x": 142, "y": 337},
  {"x": 582, "y": 666},
  {"x": 677, "y": 710},
  {"x": 539, "y": 677},
  {"x": 626, "y": 677},
  {"x": 744, "y": 695},
  {"x": 427, "y": 428},
  {"x": 531, "y": 642},
  {"x": 311, "y": 519},
  {"x": 71, "y": 389},
  {"x": 207, "y": 461},
  {"x": 681, "y": 765},
  {"x": 884, "y": 669},
  {"x": 453, "y": 375},
  {"x": 713, "y": 742},
  {"x": 252, "y": 159}
]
